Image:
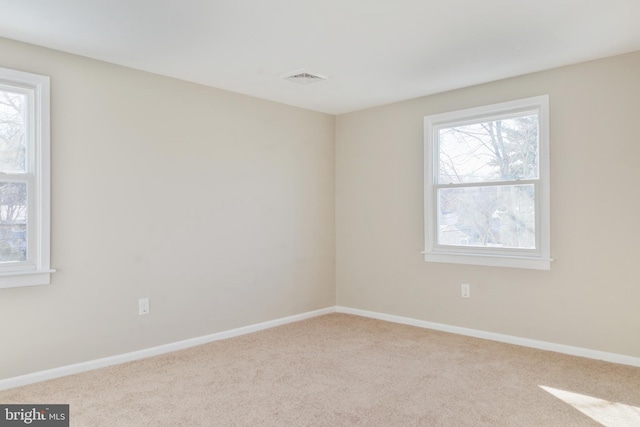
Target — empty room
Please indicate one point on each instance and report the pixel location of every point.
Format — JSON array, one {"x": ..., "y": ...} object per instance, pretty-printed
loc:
[{"x": 319, "y": 213}]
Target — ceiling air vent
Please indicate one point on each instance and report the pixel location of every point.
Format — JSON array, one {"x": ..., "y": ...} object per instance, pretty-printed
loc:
[{"x": 302, "y": 77}]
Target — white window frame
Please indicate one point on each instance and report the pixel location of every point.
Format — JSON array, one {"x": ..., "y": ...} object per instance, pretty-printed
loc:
[
  {"x": 36, "y": 269},
  {"x": 539, "y": 258}
]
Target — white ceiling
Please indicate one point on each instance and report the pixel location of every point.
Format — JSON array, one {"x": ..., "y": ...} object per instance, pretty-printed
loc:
[{"x": 374, "y": 51}]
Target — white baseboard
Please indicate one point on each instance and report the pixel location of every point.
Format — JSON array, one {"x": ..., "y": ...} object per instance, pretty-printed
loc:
[
  {"x": 509, "y": 339},
  {"x": 154, "y": 351},
  {"x": 180, "y": 345}
]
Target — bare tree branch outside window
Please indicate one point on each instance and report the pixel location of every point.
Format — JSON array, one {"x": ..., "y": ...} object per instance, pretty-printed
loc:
[
  {"x": 13, "y": 194},
  {"x": 487, "y": 154}
]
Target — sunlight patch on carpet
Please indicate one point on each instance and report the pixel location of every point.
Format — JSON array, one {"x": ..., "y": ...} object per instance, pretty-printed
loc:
[{"x": 609, "y": 414}]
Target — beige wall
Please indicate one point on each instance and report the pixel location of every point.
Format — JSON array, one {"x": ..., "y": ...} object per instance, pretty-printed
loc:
[
  {"x": 218, "y": 207},
  {"x": 591, "y": 296}
]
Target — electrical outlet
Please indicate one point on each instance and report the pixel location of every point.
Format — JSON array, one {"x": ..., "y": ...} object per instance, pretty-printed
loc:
[
  {"x": 143, "y": 306},
  {"x": 466, "y": 290}
]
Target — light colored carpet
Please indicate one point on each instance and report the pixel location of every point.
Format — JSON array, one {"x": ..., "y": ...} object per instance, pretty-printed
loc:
[{"x": 342, "y": 370}]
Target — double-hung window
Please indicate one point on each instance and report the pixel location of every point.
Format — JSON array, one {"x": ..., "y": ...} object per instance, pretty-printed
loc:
[
  {"x": 487, "y": 185},
  {"x": 24, "y": 179}
]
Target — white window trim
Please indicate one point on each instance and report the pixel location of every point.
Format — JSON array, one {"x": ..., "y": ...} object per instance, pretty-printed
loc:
[
  {"x": 540, "y": 259},
  {"x": 37, "y": 271}
]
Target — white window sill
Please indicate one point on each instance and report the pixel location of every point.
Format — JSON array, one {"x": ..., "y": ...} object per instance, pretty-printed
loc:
[
  {"x": 16, "y": 279},
  {"x": 534, "y": 263}
]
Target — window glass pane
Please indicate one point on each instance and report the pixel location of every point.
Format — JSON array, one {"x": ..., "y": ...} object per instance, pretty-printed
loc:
[
  {"x": 13, "y": 131},
  {"x": 13, "y": 221},
  {"x": 498, "y": 150},
  {"x": 487, "y": 216}
]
